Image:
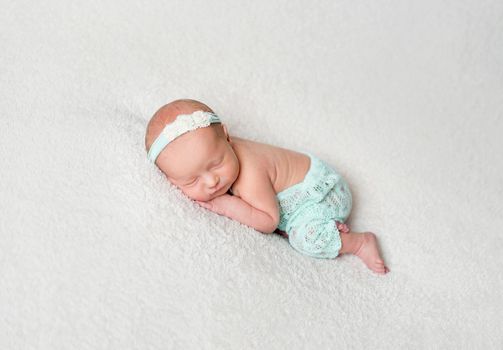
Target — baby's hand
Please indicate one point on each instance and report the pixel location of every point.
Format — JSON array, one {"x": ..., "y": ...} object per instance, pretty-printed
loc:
[
  {"x": 342, "y": 227},
  {"x": 218, "y": 205}
]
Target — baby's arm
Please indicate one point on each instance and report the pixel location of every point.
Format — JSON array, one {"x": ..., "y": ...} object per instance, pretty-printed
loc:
[
  {"x": 257, "y": 207},
  {"x": 239, "y": 210}
]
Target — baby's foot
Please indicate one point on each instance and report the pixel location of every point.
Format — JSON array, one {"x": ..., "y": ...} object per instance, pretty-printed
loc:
[
  {"x": 369, "y": 253},
  {"x": 342, "y": 227}
]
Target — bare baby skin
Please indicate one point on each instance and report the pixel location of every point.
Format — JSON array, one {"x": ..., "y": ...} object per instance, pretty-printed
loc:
[{"x": 207, "y": 164}]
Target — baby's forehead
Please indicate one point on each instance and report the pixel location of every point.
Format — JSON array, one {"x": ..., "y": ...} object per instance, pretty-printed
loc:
[{"x": 191, "y": 151}]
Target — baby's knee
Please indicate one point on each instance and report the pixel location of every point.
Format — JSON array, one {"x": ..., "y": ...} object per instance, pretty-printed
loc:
[{"x": 316, "y": 239}]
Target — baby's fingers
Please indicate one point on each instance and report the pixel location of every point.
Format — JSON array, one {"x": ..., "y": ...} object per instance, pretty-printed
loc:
[{"x": 342, "y": 227}]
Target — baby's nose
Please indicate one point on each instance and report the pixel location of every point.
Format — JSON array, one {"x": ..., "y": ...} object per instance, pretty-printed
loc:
[{"x": 213, "y": 180}]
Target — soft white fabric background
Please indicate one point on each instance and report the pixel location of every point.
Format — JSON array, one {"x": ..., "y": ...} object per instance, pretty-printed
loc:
[{"x": 98, "y": 251}]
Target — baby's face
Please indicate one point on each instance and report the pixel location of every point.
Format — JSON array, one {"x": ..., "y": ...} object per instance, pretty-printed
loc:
[{"x": 202, "y": 163}]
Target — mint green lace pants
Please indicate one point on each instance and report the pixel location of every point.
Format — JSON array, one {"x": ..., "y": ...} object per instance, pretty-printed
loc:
[{"x": 309, "y": 210}]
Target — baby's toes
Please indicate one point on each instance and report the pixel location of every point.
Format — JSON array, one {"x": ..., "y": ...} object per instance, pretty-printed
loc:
[
  {"x": 383, "y": 270},
  {"x": 379, "y": 267},
  {"x": 342, "y": 227}
]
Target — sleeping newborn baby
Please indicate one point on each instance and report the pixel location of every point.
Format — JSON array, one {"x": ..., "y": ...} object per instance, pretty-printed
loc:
[{"x": 268, "y": 188}]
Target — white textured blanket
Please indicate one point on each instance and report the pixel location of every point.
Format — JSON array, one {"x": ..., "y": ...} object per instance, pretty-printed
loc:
[{"x": 98, "y": 251}]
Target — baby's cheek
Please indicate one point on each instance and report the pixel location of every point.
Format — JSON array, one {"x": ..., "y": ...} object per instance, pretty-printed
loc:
[
  {"x": 186, "y": 191},
  {"x": 195, "y": 194}
]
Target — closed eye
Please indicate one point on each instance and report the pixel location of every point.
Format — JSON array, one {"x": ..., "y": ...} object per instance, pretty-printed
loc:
[{"x": 191, "y": 183}]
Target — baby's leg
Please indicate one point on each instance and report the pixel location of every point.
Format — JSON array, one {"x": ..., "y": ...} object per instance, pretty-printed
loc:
[{"x": 364, "y": 246}]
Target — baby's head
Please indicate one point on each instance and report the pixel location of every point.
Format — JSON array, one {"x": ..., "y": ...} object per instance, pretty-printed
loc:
[{"x": 199, "y": 159}]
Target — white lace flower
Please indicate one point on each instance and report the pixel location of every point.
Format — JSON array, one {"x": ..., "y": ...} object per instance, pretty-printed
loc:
[{"x": 185, "y": 123}]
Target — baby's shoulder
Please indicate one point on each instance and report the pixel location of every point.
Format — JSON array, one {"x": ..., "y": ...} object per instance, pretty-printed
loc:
[
  {"x": 255, "y": 164},
  {"x": 254, "y": 156}
]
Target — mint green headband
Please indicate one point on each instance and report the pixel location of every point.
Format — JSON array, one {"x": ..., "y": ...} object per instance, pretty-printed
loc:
[{"x": 182, "y": 124}]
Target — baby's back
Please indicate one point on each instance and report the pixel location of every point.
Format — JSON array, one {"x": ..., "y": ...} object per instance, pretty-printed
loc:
[{"x": 284, "y": 167}]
